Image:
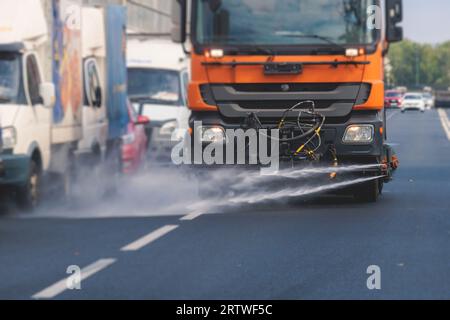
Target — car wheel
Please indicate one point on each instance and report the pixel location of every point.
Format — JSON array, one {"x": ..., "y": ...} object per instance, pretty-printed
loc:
[{"x": 29, "y": 196}]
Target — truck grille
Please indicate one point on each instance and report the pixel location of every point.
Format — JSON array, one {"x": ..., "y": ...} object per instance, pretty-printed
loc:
[{"x": 271, "y": 100}]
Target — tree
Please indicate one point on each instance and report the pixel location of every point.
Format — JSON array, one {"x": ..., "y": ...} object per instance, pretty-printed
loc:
[{"x": 417, "y": 65}]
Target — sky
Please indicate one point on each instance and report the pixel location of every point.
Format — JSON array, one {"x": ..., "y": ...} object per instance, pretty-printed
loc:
[{"x": 427, "y": 21}]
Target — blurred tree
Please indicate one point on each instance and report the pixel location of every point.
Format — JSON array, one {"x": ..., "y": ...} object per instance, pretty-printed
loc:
[{"x": 417, "y": 65}]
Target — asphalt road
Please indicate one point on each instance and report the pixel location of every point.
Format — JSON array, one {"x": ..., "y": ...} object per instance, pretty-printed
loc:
[{"x": 315, "y": 248}]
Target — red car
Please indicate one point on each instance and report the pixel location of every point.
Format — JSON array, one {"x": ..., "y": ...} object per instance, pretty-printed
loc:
[
  {"x": 135, "y": 143},
  {"x": 393, "y": 99}
]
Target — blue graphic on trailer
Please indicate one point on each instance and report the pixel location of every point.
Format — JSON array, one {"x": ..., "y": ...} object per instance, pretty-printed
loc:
[
  {"x": 117, "y": 93},
  {"x": 57, "y": 47}
]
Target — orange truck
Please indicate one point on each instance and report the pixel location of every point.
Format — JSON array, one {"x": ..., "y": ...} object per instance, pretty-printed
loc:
[{"x": 314, "y": 69}]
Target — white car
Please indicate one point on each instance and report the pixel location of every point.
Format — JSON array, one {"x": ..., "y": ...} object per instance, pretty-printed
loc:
[
  {"x": 413, "y": 101},
  {"x": 429, "y": 100}
]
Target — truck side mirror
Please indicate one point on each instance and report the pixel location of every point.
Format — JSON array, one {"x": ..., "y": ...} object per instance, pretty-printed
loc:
[
  {"x": 394, "y": 15},
  {"x": 47, "y": 93},
  {"x": 179, "y": 18}
]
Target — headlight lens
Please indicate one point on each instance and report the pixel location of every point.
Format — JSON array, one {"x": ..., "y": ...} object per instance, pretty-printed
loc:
[
  {"x": 168, "y": 128},
  {"x": 9, "y": 137},
  {"x": 129, "y": 138},
  {"x": 212, "y": 134},
  {"x": 359, "y": 134}
]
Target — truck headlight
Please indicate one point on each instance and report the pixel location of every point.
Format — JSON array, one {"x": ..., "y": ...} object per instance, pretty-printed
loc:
[
  {"x": 359, "y": 134},
  {"x": 212, "y": 134},
  {"x": 168, "y": 128},
  {"x": 9, "y": 137}
]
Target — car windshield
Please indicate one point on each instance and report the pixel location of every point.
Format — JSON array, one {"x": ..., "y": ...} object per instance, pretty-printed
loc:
[
  {"x": 154, "y": 86},
  {"x": 427, "y": 96},
  {"x": 393, "y": 95},
  {"x": 413, "y": 97},
  {"x": 285, "y": 22},
  {"x": 9, "y": 77}
]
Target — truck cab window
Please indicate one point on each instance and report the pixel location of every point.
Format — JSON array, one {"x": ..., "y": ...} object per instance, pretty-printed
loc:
[
  {"x": 9, "y": 78},
  {"x": 92, "y": 90},
  {"x": 33, "y": 80},
  {"x": 155, "y": 86},
  {"x": 185, "y": 81}
]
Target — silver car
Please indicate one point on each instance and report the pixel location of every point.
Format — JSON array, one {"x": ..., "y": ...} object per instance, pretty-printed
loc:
[{"x": 429, "y": 100}]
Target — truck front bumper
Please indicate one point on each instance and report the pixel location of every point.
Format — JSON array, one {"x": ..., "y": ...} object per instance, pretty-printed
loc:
[
  {"x": 14, "y": 170},
  {"x": 332, "y": 134}
]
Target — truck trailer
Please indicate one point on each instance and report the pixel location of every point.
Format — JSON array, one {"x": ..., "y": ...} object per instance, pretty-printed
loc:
[
  {"x": 313, "y": 70},
  {"x": 442, "y": 98}
]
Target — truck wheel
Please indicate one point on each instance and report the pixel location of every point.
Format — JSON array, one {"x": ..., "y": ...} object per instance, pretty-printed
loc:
[
  {"x": 113, "y": 169},
  {"x": 368, "y": 192},
  {"x": 29, "y": 196},
  {"x": 68, "y": 180}
]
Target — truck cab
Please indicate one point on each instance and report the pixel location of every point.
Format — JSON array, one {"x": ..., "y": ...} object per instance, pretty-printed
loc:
[
  {"x": 105, "y": 106},
  {"x": 158, "y": 76},
  {"x": 92, "y": 147},
  {"x": 40, "y": 95},
  {"x": 25, "y": 118},
  {"x": 26, "y": 99}
]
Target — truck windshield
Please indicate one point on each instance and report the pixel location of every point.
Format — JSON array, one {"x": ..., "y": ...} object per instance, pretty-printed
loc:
[
  {"x": 285, "y": 22},
  {"x": 9, "y": 78},
  {"x": 154, "y": 86}
]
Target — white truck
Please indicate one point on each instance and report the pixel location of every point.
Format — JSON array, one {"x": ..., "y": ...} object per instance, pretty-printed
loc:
[
  {"x": 158, "y": 75},
  {"x": 41, "y": 94},
  {"x": 105, "y": 112},
  {"x": 92, "y": 146}
]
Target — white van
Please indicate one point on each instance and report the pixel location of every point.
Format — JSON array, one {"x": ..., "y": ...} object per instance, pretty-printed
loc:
[
  {"x": 158, "y": 76},
  {"x": 40, "y": 96}
]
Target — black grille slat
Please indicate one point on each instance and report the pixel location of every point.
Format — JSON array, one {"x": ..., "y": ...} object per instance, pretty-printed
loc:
[
  {"x": 272, "y": 99},
  {"x": 224, "y": 93},
  {"x": 277, "y": 87}
]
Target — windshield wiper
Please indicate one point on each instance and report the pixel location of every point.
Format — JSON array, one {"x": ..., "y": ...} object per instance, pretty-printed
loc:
[
  {"x": 150, "y": 100},
  {"x": 267, "y": 51},
  {"x": 142, "y": 99},
  {"x": 316, "y": 36},
  {"x": 5, "y": 99}
]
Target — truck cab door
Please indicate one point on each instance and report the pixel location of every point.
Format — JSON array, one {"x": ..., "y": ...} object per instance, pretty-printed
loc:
[
  {"x": 94, "y": 111},
  {"x": 34, "y": 121},
  {"x": 185, "y": 112}
]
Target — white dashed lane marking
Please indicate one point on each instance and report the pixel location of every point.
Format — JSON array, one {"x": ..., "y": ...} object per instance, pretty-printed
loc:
[
  {"x": 192, "y": 216},
  {"x": 148, "y": 239},
  {"x": 61, "y": 286},
  {"x": 445, "y": 122},
  {"x": 392, "y": 115}
]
